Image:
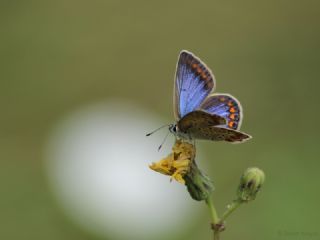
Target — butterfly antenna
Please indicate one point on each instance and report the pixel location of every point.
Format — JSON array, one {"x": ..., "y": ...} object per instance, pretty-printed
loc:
[
  {"x": 157, "y": 130},
  {"x": 163, "y": 141}
]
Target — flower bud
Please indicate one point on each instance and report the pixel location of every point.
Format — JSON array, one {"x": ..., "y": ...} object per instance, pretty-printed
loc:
[
  {"x": 198, "y": 184},
  {"x": 250, "y": 184}
]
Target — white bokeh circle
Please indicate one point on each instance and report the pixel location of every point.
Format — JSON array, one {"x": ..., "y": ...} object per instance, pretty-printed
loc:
[{"x": 97, "y": 165}]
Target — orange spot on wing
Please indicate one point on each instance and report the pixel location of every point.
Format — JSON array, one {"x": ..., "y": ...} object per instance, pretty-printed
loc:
[
  {"x": 230, "y": 103},
  {"x": 232, "y": 116},
  {"x": 194, "y": 65},
  {"x": 222, "y": 99},
  {"x": 199, "y": 69},
  {"x": 204, "y": 75},
  {"x": 232, "y": 110},
  {"x": 230, "y": 124}
]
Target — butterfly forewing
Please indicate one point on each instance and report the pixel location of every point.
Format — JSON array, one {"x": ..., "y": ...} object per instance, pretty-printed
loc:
[{"x": 193, "y": 83}]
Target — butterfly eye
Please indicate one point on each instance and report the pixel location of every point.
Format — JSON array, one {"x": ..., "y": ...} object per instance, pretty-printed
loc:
[{"x": 174, "y": 128}]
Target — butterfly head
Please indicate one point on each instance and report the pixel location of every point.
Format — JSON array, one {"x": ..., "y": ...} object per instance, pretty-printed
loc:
[{"x": 173, "y": 128}]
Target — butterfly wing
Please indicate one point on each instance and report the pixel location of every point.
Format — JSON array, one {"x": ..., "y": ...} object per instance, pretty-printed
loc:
[
  {"x": 225, "y": 106},
  {"x": 199, "y": 119},
  {"x": 193, "y": 83},
  {"x": 216, "y": 133}
]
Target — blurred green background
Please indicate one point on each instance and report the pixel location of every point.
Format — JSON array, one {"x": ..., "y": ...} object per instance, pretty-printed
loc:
[{"x": 57, "y": 56}]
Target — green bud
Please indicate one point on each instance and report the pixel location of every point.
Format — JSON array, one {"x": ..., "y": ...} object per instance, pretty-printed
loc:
[
  {"x": 250, "y": 184},
  {"x": 198, "y": 184}
]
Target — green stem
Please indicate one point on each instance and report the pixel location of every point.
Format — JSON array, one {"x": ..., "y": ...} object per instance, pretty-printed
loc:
[
  {"x": 232, "y": 207},
  {"x": 213, "y": 212},
  {"x": 214, "y": 218},
  {"x": 216, "y": 235}
]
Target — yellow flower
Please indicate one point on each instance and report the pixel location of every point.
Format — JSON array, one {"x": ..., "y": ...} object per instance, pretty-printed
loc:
[{"x": 178, "y": 163}]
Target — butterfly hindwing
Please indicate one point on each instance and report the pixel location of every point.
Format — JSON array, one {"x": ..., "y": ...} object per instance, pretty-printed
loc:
[
  {"x": 193, "y": 83},
  {"x": 198, "y": 119},
  {"x": 225, "y": 106},
  {"x": 216, "y": 133}
]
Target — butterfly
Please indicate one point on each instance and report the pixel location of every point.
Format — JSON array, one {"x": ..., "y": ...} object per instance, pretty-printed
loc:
[{"x": 200, "y": 113}]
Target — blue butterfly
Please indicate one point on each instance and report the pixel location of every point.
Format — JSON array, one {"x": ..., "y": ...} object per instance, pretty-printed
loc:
[{"x": 199, "y": 114}]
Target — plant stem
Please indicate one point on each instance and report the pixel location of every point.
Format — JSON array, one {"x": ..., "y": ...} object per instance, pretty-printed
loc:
[
  {"x": 216, "y": 235},
  {"x": 213, "y": 212},
  {"x": 231, "y": 208},
  {"x": 214, "y": 218}
]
